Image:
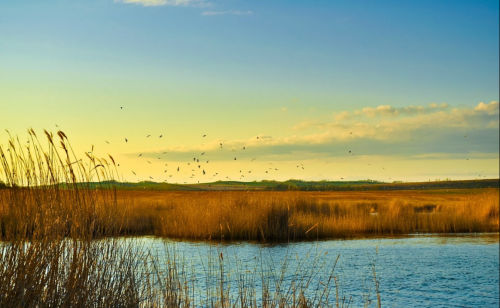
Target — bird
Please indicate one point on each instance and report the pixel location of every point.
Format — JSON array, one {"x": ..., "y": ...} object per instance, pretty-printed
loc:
[
  {"x": 207, "y": 161},
  {"x": 161, "y": 136},
  {"x": 349, "y": 151},
  {"x": 203, "y": 171},
  {"x": 177, "y": 169},
  {"x": 107, "y": 142},
  {"x": 221, "y": 145},
  {"x": 243, "y": 148},
  {"x": 257, "y": 137},
  {"x": 203, "y": 153},
  {"x": 253, "y": 159},
  {"x": 134, "y": 173},
  {"x": 465, "y": 135},
  {"x": 204, "y": 135},
  {"x": 165, "y": 152},
  {"x": 148, "y": 136},
  {"x": 235, "y": 158},
  {"x": 350, "y": 133},
  {"x": 126, "y": 140},
  {"x": 151, "y": 177},
  {"x": 121, "y": 107},
  {"x": 140, "y": 155},
  {"x": 149, "y": 162}
]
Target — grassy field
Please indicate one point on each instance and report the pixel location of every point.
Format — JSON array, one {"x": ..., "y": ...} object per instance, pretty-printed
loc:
[{"x": 283, "y": 216}]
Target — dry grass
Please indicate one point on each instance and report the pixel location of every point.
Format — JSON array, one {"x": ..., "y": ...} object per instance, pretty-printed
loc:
[{"x": 289, "y": 215}]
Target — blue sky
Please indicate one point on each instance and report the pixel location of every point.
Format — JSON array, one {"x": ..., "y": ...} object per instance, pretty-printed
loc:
[{"x": 302, "y": 75}]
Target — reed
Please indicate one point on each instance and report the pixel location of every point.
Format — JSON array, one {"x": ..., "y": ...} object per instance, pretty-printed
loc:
[{"x": 284, "y": 216}]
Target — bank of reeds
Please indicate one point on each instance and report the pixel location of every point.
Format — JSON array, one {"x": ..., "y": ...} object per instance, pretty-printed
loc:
[
  {"x": 60, "y": 248},
  {"x": 283, "y": 216}
]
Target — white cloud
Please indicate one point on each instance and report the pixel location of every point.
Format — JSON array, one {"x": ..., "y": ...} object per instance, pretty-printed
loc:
[
  {"x": 195, "y": 3},
  {"x": 491, "y": 108},
  {"x": 387, "y": 110},
  {"x": 417, "y": 130},
  {"x": 215, "y": 13}
]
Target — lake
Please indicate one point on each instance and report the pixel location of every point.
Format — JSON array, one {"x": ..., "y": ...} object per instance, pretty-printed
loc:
[{"x": 414, "y": 271}]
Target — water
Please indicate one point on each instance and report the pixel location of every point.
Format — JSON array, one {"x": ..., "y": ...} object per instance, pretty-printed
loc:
[{"x": 415, "y": 271}]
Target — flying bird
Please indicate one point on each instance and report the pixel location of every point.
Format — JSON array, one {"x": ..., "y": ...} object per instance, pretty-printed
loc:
[
  {"x": 134, "y": 173},
  {"x": 161, "y": 136},
  {"x": 221, "y": 145},
  {"x": 107, "y": 142},
  {"x": 177, "y": 169},
  {"x": 204, "y": 135},
  {"x": 148, "y": 136},
  {"x": 203, "y": 171},
  {"x": 235, "y": 158},
  {"x": 140, "y": 155},
  {"x": 126, "y": 140}
]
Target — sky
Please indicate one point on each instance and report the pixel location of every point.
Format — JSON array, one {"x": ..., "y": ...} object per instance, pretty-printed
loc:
[{"x": 311, "y": 90}]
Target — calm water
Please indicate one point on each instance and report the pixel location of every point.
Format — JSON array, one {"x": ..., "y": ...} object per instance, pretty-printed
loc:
[{"x": 417, "y": 271}]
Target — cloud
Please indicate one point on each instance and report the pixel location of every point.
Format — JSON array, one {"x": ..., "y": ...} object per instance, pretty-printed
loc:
[
  {"x": 413, "y": 131},
  {"x": 387, "y": 110},
  {"x": 194, "y": 3},
  {"x": 491, "y": 108},
  {"x": 232, "y": 12}
]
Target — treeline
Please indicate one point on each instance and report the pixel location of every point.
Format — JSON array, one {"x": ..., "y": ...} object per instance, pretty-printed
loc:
[{"x": 374, "y": 186}]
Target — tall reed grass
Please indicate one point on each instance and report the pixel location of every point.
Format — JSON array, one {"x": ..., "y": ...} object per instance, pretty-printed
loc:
[{"x": 284, "y": 216}]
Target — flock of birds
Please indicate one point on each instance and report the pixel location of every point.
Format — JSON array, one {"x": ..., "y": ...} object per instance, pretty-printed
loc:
[{"x": 198, "y": 165}]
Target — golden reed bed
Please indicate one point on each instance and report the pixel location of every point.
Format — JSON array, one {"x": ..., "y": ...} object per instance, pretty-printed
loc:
[{"x": 307, "y": 215}]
